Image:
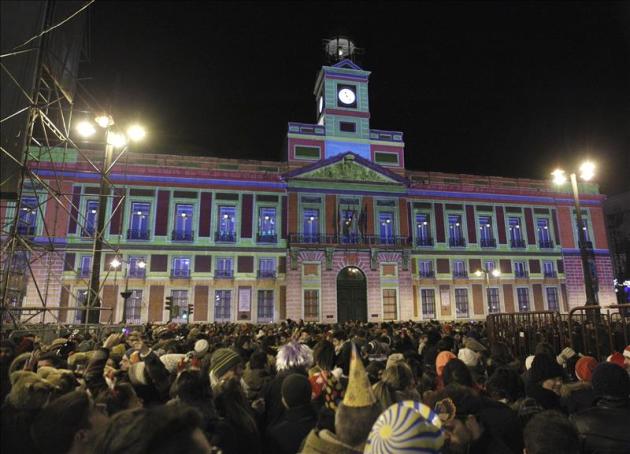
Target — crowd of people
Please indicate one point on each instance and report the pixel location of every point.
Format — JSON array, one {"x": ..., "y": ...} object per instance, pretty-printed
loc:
[{"x": 295, "y": 387}]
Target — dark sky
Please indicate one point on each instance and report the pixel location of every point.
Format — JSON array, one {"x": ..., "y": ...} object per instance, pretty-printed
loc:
[{"x": 509, "y": 89}]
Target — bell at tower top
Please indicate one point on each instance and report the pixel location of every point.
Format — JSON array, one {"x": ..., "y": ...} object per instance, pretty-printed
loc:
[{"x": 340, "y": 48}]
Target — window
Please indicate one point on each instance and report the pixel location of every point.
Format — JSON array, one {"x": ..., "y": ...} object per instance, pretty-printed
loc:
[
  {"x": 459, "y": 268},
  {"x": 461, "y": 302},
  {"x": 27, "y": 217},
  {"x": 91, "y": 213},
  {"x": 544, "y": 235},
  {"x": 139, "y": 228},
  {"x": 222, "y": 305},
  {"x": 266, "y": 268},
  {"x": 349, "y": 223},
  {"x": 494, "y": 305},
  {"x": 85, "y": 266},
  {"x": 516, "y": 234},
  {"x": 137, "y": 266},
  {"x": 180, "y": 300},
  {"x": 548, "y": 269},
  {"x": 311, "y": 225},
  {"x": 181, "y": 267},
  {"x": 224, "y": 267},
  {"x": 390, "y": 311},
  {"x": 427, "y": 296},
  {"x": 311, "y": 305},
  {"x": 267, "y": 225},
  {"x": 425, "y": 268},
  {"x": 486, "y": 236},
  {"x": 386, "y": 221},
  {"x": 227, "y": 224},
  {"x": 520, "y": 269},
  {"x": 134, "y": 307},
  {"x": 455, "y": 231},
  {"x": 522, "y": 294},
  {"x": 423, "y": 230},
  {"x": 552, "y": 299},
  {"x": 265, "y": 305},
  {"x": 489, "y": 266},
  {"x": 183, "y": 223},
  {"x": 587, "y": 237},
  {"x": 346, "y": 126},
  {"x": 79, "y": 314}
]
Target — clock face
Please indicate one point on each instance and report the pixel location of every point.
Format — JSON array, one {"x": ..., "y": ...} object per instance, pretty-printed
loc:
[{"x": 347, "y": 96}]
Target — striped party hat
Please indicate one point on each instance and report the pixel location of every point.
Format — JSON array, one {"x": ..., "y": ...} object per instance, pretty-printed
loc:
[{"x": 402, "y": 428}]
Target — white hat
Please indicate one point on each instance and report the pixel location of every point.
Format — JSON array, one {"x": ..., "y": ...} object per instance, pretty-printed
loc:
[
  {"x": 468, "y": 357},
  {"x": 201, "y": 347},
  {"x": 136, "y": 374},
  {"x": 528, "y": 362},
  {"x": 171, "y": 360}
]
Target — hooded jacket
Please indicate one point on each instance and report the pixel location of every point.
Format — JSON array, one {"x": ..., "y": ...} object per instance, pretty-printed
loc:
[{"x": 604, "y": 428}]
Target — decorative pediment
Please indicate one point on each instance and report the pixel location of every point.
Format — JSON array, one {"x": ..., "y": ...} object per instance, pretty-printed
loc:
[{"x": 349, "y": 167}]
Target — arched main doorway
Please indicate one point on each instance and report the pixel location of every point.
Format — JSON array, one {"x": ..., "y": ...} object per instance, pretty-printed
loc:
[{"x": 351, "y": 295}]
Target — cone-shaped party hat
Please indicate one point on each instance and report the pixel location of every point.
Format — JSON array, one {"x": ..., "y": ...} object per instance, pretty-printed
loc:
[{"x": 359, "y": 392}]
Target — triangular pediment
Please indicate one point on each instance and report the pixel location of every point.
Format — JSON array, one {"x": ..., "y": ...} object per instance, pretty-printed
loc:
[
  {"x": 348, "y": 167},
  {"x": 348, "y": 64}
]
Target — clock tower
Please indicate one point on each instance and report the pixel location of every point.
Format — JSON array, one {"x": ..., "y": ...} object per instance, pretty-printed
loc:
[{"x": 342, "y": 103}]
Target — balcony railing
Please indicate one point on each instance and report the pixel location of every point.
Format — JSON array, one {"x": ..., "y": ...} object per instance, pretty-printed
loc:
[
  {"x": 138, "y": 234},
  {"x": 427, "y": 274},
  {"x": 225, "y": 237},
  {"x": 551, "y": 274},
  {"x": 517, "y": 243},
  {"x": 546, "y": 244},
  {"x": 137, "y": 274},
  {"x": 266, "y": 238},
  {"x": 460, "y": 274},
  {"x": 424, "y": 242},
  {"x": 26, "y": 230},
  {"x": 223, "y": 274},
  {"x": 180, "y": 274},
  {"x": 180, "y": 235},
  {"x": 360, "y": 240},
  {"x": 520, "y": 274},
  {"x": 488, "y": 242},
  {"x": 266, "y": 274},
  {"x": 457, "y": 242}
]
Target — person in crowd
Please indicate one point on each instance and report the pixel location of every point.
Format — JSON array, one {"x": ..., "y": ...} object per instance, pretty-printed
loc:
[
  {"x": 550, "y": 432},
  {"x": 545, "y": 382},
  {"x": 354, "y": 417},
  {"x": 299, "y": 418},
  {"x": 579, "y": 395},
  {"x": 237, "y": 430},
  {"x": 604, "y": 427},
  {"x": 396, "y": 384},
  {"x": 69, "y": 424},
  {"x": 256, "y": 375},
  {"x": 225, "y": 366},
  {"x": 442, "y": 358},
  {"x": 158, "y": 430}
]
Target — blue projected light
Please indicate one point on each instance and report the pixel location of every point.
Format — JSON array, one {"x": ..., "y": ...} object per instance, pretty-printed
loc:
[{"x": 334, "y": 148}]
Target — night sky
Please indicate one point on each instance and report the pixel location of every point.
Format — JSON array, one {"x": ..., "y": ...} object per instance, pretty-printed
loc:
[{"x": 509, "y": 89}]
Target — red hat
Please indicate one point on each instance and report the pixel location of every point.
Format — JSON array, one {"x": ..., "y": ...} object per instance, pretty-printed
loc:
[
  {"x": 584, "y": 368},
  {"x": 626, "y": 352},
  {"x": 616, "y": 358}
]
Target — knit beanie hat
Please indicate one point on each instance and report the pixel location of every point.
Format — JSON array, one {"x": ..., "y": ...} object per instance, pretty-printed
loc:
[
  {"x": 171, "y": 361},
  {"x": 401, "y": 428},
  {"x": 616, "y": 358},
  {"x": 611, "y": 380},
  {"x": 223, "y": 360},
  {"x": 584, "y": 368},
  {"x": 296, "y": 390},
  {"x": 468, "y": 357},
  {"x": 544, "y": 368},
  {"x": 201, "y": 347},
  {"x": 441, "y": 359}
]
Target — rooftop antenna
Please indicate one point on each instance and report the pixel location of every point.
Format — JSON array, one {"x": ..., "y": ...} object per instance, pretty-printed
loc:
[{"x": 340, "y": 48}]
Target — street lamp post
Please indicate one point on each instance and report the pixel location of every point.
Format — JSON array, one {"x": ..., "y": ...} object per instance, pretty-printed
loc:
[
  {"x": 126, "y": 294},
  {"x": 112, "y": 140},
  {"x": 494, "y": 272},
  {"x": 587, "y": 171}
]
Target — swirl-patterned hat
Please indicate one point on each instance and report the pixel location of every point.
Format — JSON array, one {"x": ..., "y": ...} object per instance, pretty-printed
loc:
[{"x": 406, "y": 427}]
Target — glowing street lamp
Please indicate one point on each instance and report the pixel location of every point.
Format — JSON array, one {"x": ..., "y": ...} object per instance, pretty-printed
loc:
[
  {"x": 136, "y": 133},
  {"x": 86, "y": 129},
  {"x": 587, "y": 172}
]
